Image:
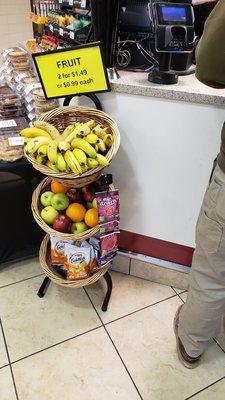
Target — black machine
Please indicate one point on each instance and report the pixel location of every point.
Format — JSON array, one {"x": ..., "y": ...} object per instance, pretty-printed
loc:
[{"x": 157, "y": 36}]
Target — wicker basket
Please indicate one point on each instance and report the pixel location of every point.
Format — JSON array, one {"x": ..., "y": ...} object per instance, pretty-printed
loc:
[
  {"x": 61, "y": 118},
  {"x": 36, "y": 208},
  {"x": 44, "y": 258}
]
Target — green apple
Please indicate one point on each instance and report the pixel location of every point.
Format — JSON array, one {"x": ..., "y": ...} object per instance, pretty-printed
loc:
[
  {"x": 89, "y": 205},
  {"x": 78, "y": 227},
  {"x": 60, "y": 201},
  {"x": 49, "y": 214},
  {"x": 94, "y": 203},
  {"x": 46, "y": 198}
]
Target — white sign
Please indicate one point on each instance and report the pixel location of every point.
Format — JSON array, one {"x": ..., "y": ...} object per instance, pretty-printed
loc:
[
  {"x": 61, "y": 32},
  {"x": 72, "y": 35},
  {"x": 9, "y": 123},
  {"x": 51, "y": 27},
  {"x": 16, "y": 141}
]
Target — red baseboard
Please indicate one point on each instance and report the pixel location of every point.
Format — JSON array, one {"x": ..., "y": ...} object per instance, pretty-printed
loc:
[{"x": 156, "y": 248}]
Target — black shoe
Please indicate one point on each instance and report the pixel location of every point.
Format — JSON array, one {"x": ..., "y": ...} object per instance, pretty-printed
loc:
[{"x": 185, "y": 359}]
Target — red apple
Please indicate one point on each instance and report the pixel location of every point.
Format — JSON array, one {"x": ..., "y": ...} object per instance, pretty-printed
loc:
[
  {"x": 88, "y": 193},
  {"x": 75, "y": 195},
  {"x": 62, "y": 223}
]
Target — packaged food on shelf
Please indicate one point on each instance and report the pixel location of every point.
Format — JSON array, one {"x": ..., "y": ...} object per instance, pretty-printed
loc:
[
  {"x": 11, "y": 144},
  {"x": 41, "y": 104},
  {"x": 10, "y": 103}
]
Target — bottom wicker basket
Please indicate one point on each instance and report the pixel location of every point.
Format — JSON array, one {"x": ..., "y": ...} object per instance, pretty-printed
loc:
[{"x": 44, "y": 257}]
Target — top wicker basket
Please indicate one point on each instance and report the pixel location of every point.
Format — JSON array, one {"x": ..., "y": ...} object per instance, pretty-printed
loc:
[{"x": 62, "y": 117}]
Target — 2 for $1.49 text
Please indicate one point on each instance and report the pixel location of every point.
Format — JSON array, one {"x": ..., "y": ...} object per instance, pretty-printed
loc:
[{"x": 68, "y": 76}]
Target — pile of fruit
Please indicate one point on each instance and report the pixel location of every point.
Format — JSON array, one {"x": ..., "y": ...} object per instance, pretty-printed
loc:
[
  {"x": 70, "y": 210},
  {"x": 82, "y": 146}
]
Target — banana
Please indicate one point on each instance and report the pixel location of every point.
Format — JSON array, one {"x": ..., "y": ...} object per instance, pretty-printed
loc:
[
  {"x": 91, "y": 138},
  {"x": 102, "y": 160},
  {"x": 80, "y": 156},
  {"x": 67, "y": 131},
  {"x": 52, "y": 151},
  {"x": 35, "y": 143},
  {"x": 91, "y": 123},
  {"x": 108, "y": 140},
  {"x": 101, "y": 131},
  {"x": 84, "y": 168},
  {"x": 61, "y": 163},
  {"x": 72, "y": 162},
  {"x": 92, "y": 163},
  {"x": 96, "y": 148},
  {"x": 63, "y": 145},
  {"x": 43, "y": 150},
  {"x": 27, "y": 140},
  {"x": 34, "y": 132},
  {"x": 101, "y": 145},
  {"x": 85, "y": 146},
  {"x": 41, "y": 159},
  {"x": 50, "y": 129},
  {"x": 52, "y": 166},
  {"x": 84, "y": 130}
]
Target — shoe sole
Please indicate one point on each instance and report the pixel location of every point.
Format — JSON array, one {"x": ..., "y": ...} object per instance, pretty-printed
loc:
[{"x": 181, "y": 359}]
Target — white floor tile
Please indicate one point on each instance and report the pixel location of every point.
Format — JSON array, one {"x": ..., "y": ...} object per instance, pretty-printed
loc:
[
  {"x": 215, "y": 392},
  {"x": 15, "y": 272},
  {"x": 7, "y": 391},
  {"x": 85, "y": 368},
  {"x": 3, "y": 355},
  {"x": 146, "y": 343},
  {"x": 129, "y": 294},
  {"x": 178, "y": 291},
  {"x": 31, "y": 324}
]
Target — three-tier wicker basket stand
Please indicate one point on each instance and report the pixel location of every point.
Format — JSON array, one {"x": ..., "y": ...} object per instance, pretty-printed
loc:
[{"x": 60, "y": 118}]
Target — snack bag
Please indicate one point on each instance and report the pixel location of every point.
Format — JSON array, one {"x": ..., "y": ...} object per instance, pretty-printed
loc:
[
  {"x": 77, "y": 262},
  {"x": 108, "y": 205},
  {"x": 58, "y": 250},
  {"x": 93, "y": 265}
]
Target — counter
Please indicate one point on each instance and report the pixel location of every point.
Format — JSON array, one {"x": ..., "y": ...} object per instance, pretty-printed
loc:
[{"x": 170, "y": 136}]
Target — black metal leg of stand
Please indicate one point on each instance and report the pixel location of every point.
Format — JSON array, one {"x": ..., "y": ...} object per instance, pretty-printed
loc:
[
  {"x": 44, "y": 286},
  {"x": 109, "y": 291}
]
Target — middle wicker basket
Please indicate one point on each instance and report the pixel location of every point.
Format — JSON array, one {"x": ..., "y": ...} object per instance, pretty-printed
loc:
[{"x": 36, "y": 210}]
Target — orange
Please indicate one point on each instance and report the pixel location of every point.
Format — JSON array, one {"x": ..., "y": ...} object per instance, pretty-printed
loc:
[
  {"x": 57, "y": 187},
  {"x": 91, "y": 217},
  {"x": 76, "y": 212}
]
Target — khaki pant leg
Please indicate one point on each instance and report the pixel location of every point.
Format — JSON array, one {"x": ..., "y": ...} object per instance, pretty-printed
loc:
[{"x": 200, "y": 318}]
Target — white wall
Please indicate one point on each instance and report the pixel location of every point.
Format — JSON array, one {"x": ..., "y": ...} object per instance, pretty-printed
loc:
[
  {"x": 14, "y": 25},
  {"x": 164, "y": 162}
]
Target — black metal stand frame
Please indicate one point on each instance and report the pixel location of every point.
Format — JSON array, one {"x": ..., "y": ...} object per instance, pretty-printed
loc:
[{"x": 46, "y": 282}]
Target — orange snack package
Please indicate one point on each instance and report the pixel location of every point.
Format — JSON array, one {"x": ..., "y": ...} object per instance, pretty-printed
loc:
[
  {"x": 77, "y": 262},
  {"x": 58, "y": 250}
]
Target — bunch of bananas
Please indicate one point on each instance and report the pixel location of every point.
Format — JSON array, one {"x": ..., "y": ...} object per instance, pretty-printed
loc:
[{"x": 80, "y": 147}]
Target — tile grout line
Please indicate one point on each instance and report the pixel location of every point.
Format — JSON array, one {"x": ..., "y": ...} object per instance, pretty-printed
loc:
[
  {"x": 10, "y": 366},
  {"x": 219, "y": 345},
  {"x": 23, "y": 280},
  {"x": 129, "y": 267},
  {"x": 141, "y": 309},
  {"x": 114, "y": 346},
  {"x": 202, "y": 390},
  {"x": 54, "y": 345}
]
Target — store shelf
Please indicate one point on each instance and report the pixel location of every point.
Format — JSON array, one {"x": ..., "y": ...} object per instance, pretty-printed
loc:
[{"x": 65, "y": 33}]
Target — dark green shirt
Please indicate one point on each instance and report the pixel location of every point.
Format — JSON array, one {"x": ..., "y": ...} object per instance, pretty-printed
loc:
[{"x": 210, "y": 56}]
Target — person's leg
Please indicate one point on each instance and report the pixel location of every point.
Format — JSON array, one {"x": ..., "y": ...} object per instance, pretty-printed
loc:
[{"x": 200, "y": 317}]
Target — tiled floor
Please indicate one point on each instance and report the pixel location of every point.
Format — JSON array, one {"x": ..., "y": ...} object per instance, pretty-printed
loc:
[{"x": 64, "y": 347}]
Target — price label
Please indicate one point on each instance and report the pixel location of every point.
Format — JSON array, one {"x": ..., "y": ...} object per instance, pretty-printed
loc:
[
  {"x": 30, "y": 107},
  {"x": 19, "y": 87},
  {"x": 6, "y": 52},
  {"x": 61, "y": 32},
  {"x": 29, "y": 98},
  {"x": 31, "y": 87},
  {"x": 51, "y": 28},
  {"x": 7, "y": 62},
  {"x": 60, "y": 1},
  {"x": 70, "y": 2},
  {"x": 31, "y": 116},
  {"x": 83, "y": 3},
  {"x": 16, "y": 141},
  {"x": 72, "y": 35},
  {"x": 19, "y": 77},
  {"x": 72, "y": 71},
  {"x": 9, "y": 123}
]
